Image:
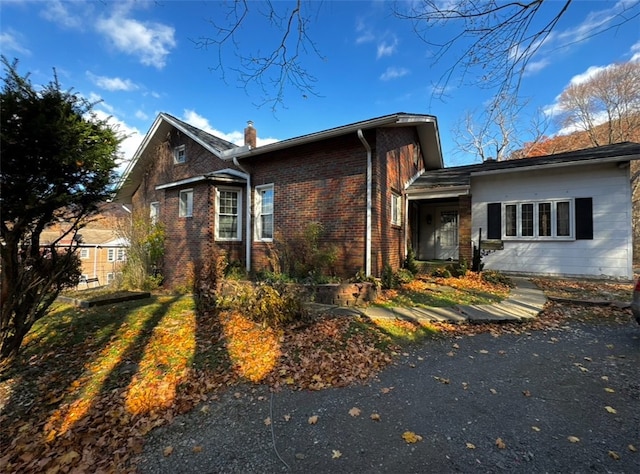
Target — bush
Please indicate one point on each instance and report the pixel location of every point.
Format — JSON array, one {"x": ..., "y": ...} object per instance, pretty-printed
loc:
[
  {"x": 410, "y": 262},
  {"x": 307, "y": 256},
  {"x": 388, "y": 278},
  {"x": 496, "y": 278},
  {"x": 276, "y": 306},
  {"x": 441, "y": 272},
  {"x": 403, "y": 275}
]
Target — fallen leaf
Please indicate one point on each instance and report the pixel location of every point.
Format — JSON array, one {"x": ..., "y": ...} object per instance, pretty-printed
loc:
[
  {"x": 535, "y": 428},
  {"x": 465, "y": 385},
  {"x": 573, "y": 439},
  {"x": 500, "y": 444},
  {"x": 493, "y": 391},
  {"x": 386, "y": 389},
  {"x": 313, "y": 419},
  {"x": 451, "y": 353},
  {"x": 354, "y": 412},
  {"x": 526, "y": 393},
  {"x": 336, "y": 454},
  {"x": 442, "y": 380},
  {"x": 632, "y": 448},
  {"x": 613, "y": 455},
  {"x": 605, "y": 378},
  {"x": 69, "y": 457},
  {"x": 237, "y": 394},
  {"x": 610, "y": 409},
  {"x": 483, "y": 351},
  {"x": 471, "y": 446},
  {"x": 267, "y": 421},
  {"x": 410, "y": 437},
  {"x": 588, "y": 359},
  {"x": 287, "y": 417},
  {"x": 167, "y": 451},
  {"x": 584, "y": 369},
  {"x": 375, "y": 417},
  {"x": 197, "y": 449},
  {"x": 205, "y": 409},
  {"x": 610, "y": 390},
  {"x": 455, "y": 346}
]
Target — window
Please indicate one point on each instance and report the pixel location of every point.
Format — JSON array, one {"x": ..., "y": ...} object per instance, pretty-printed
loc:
[
  {"x": 186, "y": 203},
  {"x": 396, "y": 209},
  {"x": 154, "y": 212},
  {"x": 532, "y": 220},
  {"x": 84, "y": 253},
  {"x": 110, "y": 278},
  {"x": 264, "y": 212},
  {"x": 116, "y": 255},
  {"x": 228, "y": 217},
  {"x": 179, "y": 154}
]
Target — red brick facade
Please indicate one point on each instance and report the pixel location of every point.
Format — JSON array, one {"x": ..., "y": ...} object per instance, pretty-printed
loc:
[{"x": 322, "y": 181}]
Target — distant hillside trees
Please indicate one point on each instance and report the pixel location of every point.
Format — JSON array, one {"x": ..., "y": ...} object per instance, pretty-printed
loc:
[{"x": 57, "y": 162}]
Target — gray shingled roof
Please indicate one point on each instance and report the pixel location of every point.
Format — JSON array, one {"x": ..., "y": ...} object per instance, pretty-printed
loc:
[
  {"x": 211, "y": 140},
  {"x": 461, "y": 175}
]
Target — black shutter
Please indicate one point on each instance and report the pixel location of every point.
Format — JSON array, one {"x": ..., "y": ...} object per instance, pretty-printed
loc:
[
  {"x": 584, "y": 218},
  {"x": 494, "y": 220}
]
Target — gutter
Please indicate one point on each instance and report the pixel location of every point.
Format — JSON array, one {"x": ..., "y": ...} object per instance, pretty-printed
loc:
[
  {"x": 367, "y": 252},
  {"x": 248, "y": 215}
]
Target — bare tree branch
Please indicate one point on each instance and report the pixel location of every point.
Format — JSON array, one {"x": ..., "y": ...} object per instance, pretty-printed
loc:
[{"x": 272, "y": 68}]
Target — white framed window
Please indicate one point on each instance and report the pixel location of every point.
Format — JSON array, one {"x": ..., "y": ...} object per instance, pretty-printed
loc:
[
  {"x": 179, "y": 154},
  {"x": 539, "y": 220},
  {"x": 396, "y": 209},
  {"x": 84, "y": 253},
  {"x": 116, "y": 255},
  {"x": 186, "y": 203},
  {"x": 264, "y": 212},
  {"x": 154, "y": 212},
  {"x": 228, "y": 214}
]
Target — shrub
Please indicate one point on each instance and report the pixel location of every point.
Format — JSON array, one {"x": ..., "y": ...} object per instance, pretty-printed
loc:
[
  {"x": 403, "y": 275},
  {"x": 306, "y": 256},
  {"x": 388, "y": 278},
  {"x": 441, "y": 272},
  {"x": 276, "y": 306},
  {"x": 410, "y": 262}
]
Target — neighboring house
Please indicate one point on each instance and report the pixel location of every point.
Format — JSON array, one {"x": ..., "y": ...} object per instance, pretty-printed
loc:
[
  {"x": 378, "y": 187},
  {"x": 102, "y": 254}
]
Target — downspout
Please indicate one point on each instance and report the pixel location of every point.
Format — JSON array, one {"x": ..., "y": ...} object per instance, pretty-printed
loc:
[
  {"x": 248, "y": 216},
  {"x": 367, "y": 252}
]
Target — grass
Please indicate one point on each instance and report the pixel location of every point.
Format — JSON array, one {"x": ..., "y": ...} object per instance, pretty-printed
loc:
[{"x": 441, "y": 292}]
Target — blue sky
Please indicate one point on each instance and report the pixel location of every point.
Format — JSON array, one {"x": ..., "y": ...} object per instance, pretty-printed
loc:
[{"x": 140, "y": 58}]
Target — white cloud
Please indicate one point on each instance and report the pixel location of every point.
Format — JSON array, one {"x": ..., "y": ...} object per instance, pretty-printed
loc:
[
  {"x": 236, "y": 137},
  {"x": 11, "y": 41},
  {"x": 112, "y": 83},
  {"x": 394, "y": 73},
  {"x": 57, "y": 11},
  {"x": 131, "y": 139},
  {"x": 387, "y": 49},
  {"x": 151, "y": 42},
  {"x": 588, "y": 74},
  {"x": 534, "y": 67},
  {"x": 635, "y": 52},
  {"x": 141, "y": 115},
  {"x": 364, "y": 34}
]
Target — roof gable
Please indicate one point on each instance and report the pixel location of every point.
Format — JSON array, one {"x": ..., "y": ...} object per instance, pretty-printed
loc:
[{"x": 158, "y": 132}]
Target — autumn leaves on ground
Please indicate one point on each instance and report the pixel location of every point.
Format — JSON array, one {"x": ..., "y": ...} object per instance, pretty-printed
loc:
[{"x": 91, "y": 383}]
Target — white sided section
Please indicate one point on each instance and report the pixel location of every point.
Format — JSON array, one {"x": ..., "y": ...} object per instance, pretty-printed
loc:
[{"x": 607, "y": 255}]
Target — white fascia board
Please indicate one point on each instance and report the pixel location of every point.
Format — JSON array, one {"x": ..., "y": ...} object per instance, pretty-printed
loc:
[
  {"x": 559, "y": 164},
  {"x": 438, "y": 193},
  {"x": 395, "y": 119},
  {"x": 182, "y": 182},
  {"x": 187, "y": 132}
]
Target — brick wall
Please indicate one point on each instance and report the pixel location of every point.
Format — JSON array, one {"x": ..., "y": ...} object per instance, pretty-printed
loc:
[
  {"x": 465, "y": 247},
  {"x": 322, "y": 182},
  {"x": 395, "y": 165}
]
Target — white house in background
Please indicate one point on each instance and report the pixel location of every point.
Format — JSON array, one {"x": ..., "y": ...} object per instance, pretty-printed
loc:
[{"x": 559, "y": 215}]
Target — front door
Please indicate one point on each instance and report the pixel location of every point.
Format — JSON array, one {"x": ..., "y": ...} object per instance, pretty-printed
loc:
[{"x": 447, "y": 235}]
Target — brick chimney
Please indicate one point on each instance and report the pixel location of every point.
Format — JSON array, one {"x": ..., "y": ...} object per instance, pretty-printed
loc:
[{"x": 250, "y": 135}]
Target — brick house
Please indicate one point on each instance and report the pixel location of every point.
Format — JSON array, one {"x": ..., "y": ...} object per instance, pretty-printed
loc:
[{"x": 378, "y": 187}]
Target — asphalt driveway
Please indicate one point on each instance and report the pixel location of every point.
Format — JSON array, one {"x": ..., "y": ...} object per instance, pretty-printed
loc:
[{"x": 565, "y": 400}]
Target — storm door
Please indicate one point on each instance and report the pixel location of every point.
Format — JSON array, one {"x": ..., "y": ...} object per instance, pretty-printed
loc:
[{"x": 447, "y": 235}]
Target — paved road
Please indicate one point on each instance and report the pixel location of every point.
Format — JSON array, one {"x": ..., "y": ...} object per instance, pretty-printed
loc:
[{"x": 533, "y": 391}]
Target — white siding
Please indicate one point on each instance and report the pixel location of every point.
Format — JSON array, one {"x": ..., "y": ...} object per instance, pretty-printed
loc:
[{"x": 609, "y": 254}]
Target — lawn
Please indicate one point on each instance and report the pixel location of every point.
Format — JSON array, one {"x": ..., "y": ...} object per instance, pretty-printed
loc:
[{"x": 90, "y": 383}]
